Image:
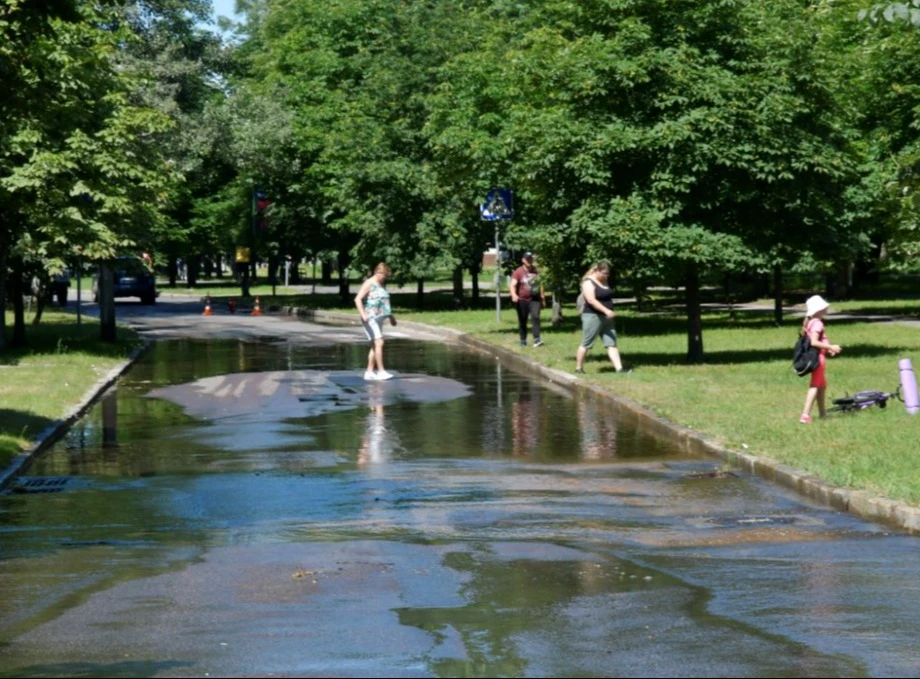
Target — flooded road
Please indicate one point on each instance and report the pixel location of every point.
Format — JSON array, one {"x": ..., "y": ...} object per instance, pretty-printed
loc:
[{"x": 258, "y": 509}]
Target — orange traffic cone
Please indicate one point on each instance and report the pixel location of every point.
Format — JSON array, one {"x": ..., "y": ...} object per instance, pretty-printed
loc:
[
  {"x": 231, "y": 306},
  {"x": 207, "y": 306},
  {"x": 257, "y": 309}
]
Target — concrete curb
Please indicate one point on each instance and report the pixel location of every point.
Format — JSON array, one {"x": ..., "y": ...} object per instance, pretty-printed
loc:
[
  {"x": 50, "y": 434},
  {"x": 861, "y": 503}
]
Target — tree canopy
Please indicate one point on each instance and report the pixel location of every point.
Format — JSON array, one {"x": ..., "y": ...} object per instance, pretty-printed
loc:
[{"x": 681, "y": 140}]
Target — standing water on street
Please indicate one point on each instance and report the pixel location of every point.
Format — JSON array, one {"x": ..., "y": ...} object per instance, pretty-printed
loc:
[{"x": 258, "y": 508}]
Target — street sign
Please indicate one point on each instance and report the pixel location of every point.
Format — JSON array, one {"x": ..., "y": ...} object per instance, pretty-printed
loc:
[{"x": 499, "y": 205}]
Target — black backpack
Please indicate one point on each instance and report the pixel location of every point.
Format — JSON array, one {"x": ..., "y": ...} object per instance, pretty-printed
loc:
[{"x": 804, "y": 356}]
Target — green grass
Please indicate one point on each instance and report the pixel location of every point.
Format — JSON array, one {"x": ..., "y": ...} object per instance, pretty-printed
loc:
[{"x": 41, "y": 381}]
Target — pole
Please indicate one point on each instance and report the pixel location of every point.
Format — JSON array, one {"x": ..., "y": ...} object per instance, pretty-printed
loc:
[{"x": 498, "y": 280}]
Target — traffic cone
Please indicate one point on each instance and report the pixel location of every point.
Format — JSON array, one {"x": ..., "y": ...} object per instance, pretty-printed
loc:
[
  {"x": 231, "y": 306},
  {"x": 257, "y": 309},
  {"x": 207, "y": 306}
]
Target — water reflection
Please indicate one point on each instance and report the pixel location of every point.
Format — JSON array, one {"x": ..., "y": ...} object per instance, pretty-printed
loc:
[
  {"x": 525, "y": 421},
  {"x": 378, "y": 443},
  {"x": 472, "y": 519},
  {"x": 109, "y": 421},
  {"x": 598, "y": 429}
]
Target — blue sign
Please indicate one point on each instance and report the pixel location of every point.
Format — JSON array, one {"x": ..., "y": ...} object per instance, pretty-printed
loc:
[{"x": 499, "y": 205}]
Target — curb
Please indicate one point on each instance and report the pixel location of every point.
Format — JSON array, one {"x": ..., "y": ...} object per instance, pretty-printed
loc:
[
  {"x": 50, "y": 434},
  {"x": 858, "y": 502}
]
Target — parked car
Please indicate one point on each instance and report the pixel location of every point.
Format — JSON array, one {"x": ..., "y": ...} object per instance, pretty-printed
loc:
[{"x": 133, "y": 278}]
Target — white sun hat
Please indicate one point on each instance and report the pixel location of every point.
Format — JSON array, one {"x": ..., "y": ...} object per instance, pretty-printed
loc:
[{"x": 815, "y": 304}]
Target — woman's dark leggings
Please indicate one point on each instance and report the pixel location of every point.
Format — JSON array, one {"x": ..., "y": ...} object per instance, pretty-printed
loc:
[{"x": 525, "y": 308}]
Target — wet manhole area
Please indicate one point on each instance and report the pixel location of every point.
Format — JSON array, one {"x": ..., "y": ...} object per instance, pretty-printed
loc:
[{"x": 41, "y": 484}]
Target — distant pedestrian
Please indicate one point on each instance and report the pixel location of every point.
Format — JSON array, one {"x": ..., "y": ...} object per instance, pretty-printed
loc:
[
  {"x": 528, "y": 298},
  {"x": 597, "y": 316},
  {"x": 373, "y": 304},
  {"x": 813, "y": 325}
]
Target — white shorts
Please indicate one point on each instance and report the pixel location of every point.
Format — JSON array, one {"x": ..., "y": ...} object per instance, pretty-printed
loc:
[{"x": 373, "y": 328}]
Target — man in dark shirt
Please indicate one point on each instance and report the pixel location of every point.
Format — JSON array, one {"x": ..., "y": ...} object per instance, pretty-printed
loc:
[{"x": 527, "y": 296}]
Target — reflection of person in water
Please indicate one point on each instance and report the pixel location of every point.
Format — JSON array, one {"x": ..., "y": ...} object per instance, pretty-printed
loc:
[
  {"x": 377, "y": 443},
  {"x": 372, "y": 443},
  {"x": 598, "y": 430},
  {"x": 524, "y": 422}
]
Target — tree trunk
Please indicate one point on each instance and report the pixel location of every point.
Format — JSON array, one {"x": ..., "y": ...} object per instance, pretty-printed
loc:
[
  {"x": 41, "y": 294},
  {"x": 19, "y": 312},
  {"x": 778, "y": 294},
  {"x": 474, "y": 278},
  {"x": 343, "y": 262},
  {"x": 172, "y": 268},
  {"x": 193, "y": 270},
  {"x": 458, "y": 287},
  {"x": 838, "y": 282},
  {"x": 242, "y": 271},
  {"x": 639, "y": 294},
  {"x": 3, "y": 258},
  {"x": 420, "y": 293},
  {"x": 694, "y": 318},
  {"x": 729, "y": 295},
  {"x": 326, "y": 272},
  {"x": 107, "y": 329}
]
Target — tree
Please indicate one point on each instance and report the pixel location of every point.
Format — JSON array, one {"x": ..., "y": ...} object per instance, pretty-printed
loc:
[
  {"x": 78, "y": 172},
  {"x": 650, "y": 134}
]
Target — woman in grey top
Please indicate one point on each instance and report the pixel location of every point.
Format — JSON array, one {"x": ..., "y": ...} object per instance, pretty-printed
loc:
[{"x": 597, "y": 316}]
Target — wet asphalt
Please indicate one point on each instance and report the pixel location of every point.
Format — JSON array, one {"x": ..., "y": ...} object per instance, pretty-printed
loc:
[{"x": 246, "y": 504}]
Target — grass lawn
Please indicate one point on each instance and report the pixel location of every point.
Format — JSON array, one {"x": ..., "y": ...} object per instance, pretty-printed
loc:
[{"x": 39, "y": 383}]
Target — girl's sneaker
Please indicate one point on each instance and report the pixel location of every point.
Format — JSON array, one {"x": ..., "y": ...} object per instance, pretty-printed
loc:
[
  {"x": 384, "y": 375},
  {"x": 805, "y": 419},
  {"x": 368, "y": 375}
]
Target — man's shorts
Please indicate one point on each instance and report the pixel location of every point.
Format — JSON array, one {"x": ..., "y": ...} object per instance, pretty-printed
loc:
[{"x": 593, "y": 325}]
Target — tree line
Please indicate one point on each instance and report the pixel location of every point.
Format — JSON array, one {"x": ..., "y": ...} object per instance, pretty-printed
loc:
[{"x": 679, "y": 139}]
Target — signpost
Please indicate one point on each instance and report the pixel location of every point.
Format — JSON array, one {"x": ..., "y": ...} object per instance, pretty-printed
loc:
[{"x": 499, "y": 205}]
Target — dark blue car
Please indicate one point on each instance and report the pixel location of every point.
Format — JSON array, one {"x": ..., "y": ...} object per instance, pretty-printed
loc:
[{"x": 133, "y": 278}]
